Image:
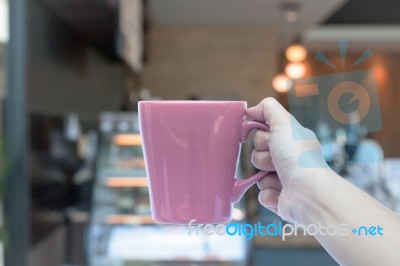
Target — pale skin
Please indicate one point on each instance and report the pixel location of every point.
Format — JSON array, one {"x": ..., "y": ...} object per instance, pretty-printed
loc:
[{"x": 312, "y": 195}]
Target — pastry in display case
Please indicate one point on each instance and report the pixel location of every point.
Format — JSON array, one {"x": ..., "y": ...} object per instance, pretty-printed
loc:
[{"x": 122, "y": 231}]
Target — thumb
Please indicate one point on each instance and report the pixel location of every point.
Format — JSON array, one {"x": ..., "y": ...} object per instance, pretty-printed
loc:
[{"x": 271, "y": 111}]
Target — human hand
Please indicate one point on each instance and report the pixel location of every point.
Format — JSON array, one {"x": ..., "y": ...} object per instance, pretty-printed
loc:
[
  {"x": 277, "y": 151},
  {"x": 310, "y": 193}
]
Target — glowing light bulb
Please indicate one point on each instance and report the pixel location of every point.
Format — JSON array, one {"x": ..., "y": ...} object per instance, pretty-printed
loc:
[
  {"x": 296, "y": 53},
  {"x": 295, "y": 70},
  {"x": 281, "y": 83}
]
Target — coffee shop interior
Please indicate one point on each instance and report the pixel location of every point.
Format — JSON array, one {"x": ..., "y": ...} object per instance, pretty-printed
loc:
[{"x": 73, "y": 179}]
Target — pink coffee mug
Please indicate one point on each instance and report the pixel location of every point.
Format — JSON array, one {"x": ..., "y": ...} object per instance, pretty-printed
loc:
[{"x": 191, "y": 151}]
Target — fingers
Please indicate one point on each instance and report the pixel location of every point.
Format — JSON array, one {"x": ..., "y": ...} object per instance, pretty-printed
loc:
[
  {"x": 269, "y": 198},
  {"x": 262, "y": 160},
  {"x": 261, "y": 140},
  {"x": 271, "y": 111},
  {"x": 271, "y": 181},
  {"x": 271, "y": 188}
]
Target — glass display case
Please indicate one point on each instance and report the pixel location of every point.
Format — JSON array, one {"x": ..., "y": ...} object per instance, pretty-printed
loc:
[{"x": 121, "y": 230}]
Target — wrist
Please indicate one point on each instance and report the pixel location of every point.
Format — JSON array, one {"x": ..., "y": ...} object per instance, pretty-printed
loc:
[{"x": 310, "y": 192}]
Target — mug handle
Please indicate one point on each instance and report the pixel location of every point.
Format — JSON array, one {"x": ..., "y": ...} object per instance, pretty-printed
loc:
[{"x": 240, "y": 186}]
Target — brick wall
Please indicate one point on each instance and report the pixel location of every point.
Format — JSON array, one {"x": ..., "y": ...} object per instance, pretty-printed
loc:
[{"x": 211, "y": 62}]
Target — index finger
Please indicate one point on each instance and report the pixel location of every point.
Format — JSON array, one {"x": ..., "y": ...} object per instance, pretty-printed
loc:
[{"x": 271, "y": 111}]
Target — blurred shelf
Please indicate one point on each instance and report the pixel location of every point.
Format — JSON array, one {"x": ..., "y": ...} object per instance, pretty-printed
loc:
[
  {"x": 122, "y": 231},
  {"x": 126, "y": 182},
  {"x": 299, "y": 241},
  {"x": 129, "y": 219},
  {"x": 172, "y": 244},
  {"x": 128, "y": 140},
  {"x": 113, "y": 171}
]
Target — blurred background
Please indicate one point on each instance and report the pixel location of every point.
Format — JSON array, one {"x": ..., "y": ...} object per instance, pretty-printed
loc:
[{"x": 73, "y": 184}]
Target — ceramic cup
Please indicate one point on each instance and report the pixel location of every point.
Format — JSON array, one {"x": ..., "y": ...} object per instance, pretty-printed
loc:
[{"x": 191, "y": 151}]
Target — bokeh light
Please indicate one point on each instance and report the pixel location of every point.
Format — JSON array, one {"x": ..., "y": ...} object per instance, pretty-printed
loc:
[
  {"x": 295, "y": 70},
  {"x": 296, "y": 53},
  {"x": 281, "y": 83}
]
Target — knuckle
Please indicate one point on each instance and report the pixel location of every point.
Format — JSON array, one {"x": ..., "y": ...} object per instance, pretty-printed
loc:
[{"x": 268, "y": 101}]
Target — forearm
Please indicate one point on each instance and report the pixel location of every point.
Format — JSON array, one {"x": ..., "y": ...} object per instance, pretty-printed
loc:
[{"x": 330, "y": 200}]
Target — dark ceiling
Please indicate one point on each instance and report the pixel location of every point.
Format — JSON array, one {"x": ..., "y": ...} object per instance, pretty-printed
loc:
[{"x": 367, "y": 12}]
